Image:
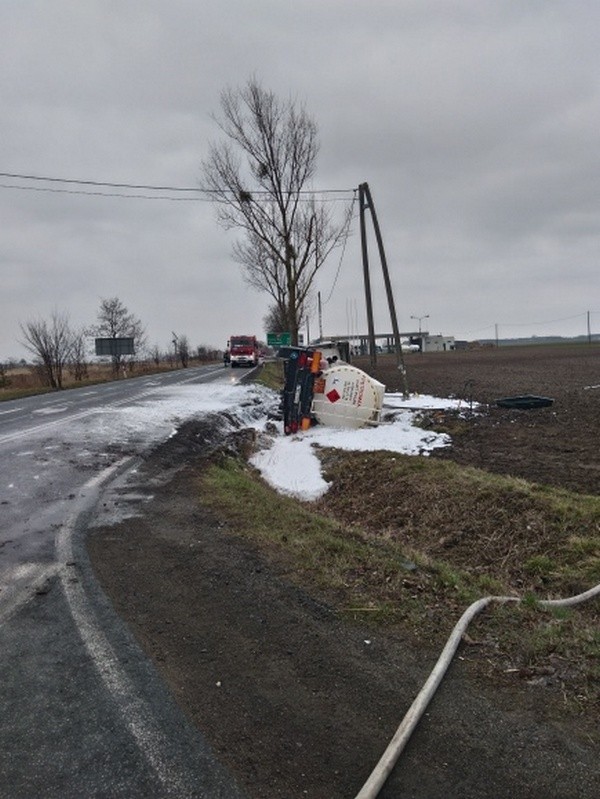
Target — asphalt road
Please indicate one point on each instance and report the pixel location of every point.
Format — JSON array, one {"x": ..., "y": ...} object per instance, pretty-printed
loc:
[
  {"x": 82, "y": 713},
  {"x": 49, "y": 445}
]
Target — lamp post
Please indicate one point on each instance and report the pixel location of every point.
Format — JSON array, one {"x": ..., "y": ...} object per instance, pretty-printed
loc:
[{"x": 419, "y": 319}]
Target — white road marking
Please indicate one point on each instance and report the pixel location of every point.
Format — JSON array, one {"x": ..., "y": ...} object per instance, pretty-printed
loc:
[
  {"x": 56, "y": 401},
  {"x": 9, "y": 437},
  {"x": 135, "y": 711},
  {"x": 48, "y": 411},
  {"x": 21, "y": 583},
  {"x": 24, "y": 570},
  {"x": 12, "y": 410}
]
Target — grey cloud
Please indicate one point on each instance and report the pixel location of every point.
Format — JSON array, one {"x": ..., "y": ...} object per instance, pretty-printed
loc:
[{"x": 475, "y": 124}]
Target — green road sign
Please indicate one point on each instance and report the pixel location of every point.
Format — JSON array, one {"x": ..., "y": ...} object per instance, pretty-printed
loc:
[{"x": 279, "y": 339}]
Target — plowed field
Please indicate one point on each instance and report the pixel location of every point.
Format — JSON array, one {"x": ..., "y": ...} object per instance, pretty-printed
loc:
[{"x": 559, "y": 445}]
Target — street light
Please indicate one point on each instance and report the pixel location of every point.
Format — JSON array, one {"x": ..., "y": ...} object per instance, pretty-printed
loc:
[{"x": 419, "y": 318}]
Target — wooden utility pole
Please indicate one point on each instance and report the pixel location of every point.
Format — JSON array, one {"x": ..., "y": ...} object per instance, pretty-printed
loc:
[
  {"x": 388, "y": 289},
  {"x": 366, "y": 201},
  {"x": 366, "y": 276}
]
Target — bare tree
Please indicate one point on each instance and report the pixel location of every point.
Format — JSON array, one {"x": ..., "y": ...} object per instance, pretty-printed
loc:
[
  {"x": 182, "y": 350},
  {"x": 116, "y": 321},
  {"x": 51, "y": 342},
  {"x": 155, "y": 354},
  {"x": 78, "y": 365},
  {"x": 276, "y": 320},
  {"x": 259, "y": 176}
]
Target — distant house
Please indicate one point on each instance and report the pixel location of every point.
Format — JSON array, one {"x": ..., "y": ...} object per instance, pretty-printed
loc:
[{"x": 437, "y": 343}]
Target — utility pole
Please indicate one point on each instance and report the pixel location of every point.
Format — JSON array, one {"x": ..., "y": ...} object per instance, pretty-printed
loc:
[
  {"x": 366, "y": 276},
  {"x": 589, "y": 328},
  {"x": 320, "y": 316},
  {"x": 364, "y": 193}
]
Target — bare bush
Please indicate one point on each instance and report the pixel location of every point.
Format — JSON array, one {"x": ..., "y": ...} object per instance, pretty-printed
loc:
[{"x": 51, "y": 343}]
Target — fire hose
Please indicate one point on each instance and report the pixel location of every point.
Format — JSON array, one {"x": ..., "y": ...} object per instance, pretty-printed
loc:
[{"x": 382, "y": 770}]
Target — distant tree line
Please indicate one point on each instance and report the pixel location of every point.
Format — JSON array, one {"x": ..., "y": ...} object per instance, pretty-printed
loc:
[{"x": 58, "y": 347}]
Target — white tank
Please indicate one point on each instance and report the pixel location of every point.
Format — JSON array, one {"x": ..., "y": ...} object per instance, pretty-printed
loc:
[{"x": 350, "y": 398}]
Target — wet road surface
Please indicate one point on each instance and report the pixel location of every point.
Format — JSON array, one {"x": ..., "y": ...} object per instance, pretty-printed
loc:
[{"x": 82, "y": 712}]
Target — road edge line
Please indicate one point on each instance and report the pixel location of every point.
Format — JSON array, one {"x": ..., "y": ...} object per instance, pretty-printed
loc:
[{"x": 134, "y": 710}]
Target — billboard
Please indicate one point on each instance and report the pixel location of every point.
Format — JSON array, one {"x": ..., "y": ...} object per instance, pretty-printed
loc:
[{"x": 115, "y": 346}]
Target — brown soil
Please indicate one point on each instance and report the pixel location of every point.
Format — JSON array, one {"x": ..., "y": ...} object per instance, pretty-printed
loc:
[
  {"x": 556, "y": 445},
  {"x": 298, "y": 702}
]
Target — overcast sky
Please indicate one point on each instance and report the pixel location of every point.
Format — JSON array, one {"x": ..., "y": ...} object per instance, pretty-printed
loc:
[{"x": 475, "y": 124}]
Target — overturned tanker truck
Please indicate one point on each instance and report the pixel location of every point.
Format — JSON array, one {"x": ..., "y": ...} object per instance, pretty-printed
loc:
[{"x": 321, "y": 388}]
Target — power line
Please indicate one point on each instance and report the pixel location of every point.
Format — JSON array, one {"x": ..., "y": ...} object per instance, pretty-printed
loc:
[
  {"x": 546, "y": 322},
  {"x": 107, "y": 194},
  {"x": 98, "y": 183},
  {"x": 345, "y": 235},
  {"x": 146, "y": 186},
  {"x": 531, "y": 323}
]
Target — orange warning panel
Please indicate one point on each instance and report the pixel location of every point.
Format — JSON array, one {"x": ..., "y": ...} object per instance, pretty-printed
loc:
[{"x": 315, "y": 365}]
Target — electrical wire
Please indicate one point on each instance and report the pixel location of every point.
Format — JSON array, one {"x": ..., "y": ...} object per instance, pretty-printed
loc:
[
  {"x": 346, "y": 235},
  {"x": 148, "y": 187},
  {"x": 99, "y": 183},
  {"x": 547, "y": 322},
  {"x": 529, "y": 324},
  {"x": 106, "y": 194}
]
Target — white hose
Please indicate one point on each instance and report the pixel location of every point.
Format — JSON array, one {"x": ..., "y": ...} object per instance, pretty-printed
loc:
[{"x": 388, "y": 760}]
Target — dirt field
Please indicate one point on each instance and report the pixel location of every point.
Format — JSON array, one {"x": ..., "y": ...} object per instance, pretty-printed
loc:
[
  {"x": 300, "y": 703},
  {"x": 557, "y": 445}
]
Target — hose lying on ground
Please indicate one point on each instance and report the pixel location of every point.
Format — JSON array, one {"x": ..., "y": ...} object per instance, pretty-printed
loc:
[{"x": 389, "y": 758}]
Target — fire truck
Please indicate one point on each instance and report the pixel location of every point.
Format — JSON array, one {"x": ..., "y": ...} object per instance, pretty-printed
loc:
[{"x": 243, "y": 351}]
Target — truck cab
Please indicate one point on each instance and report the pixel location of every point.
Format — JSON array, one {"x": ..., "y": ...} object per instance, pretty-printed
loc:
[{"x": 243, "y": 351}]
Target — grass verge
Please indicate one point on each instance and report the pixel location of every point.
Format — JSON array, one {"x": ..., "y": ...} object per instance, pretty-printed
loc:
[{"x": 409, "y": 542}]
